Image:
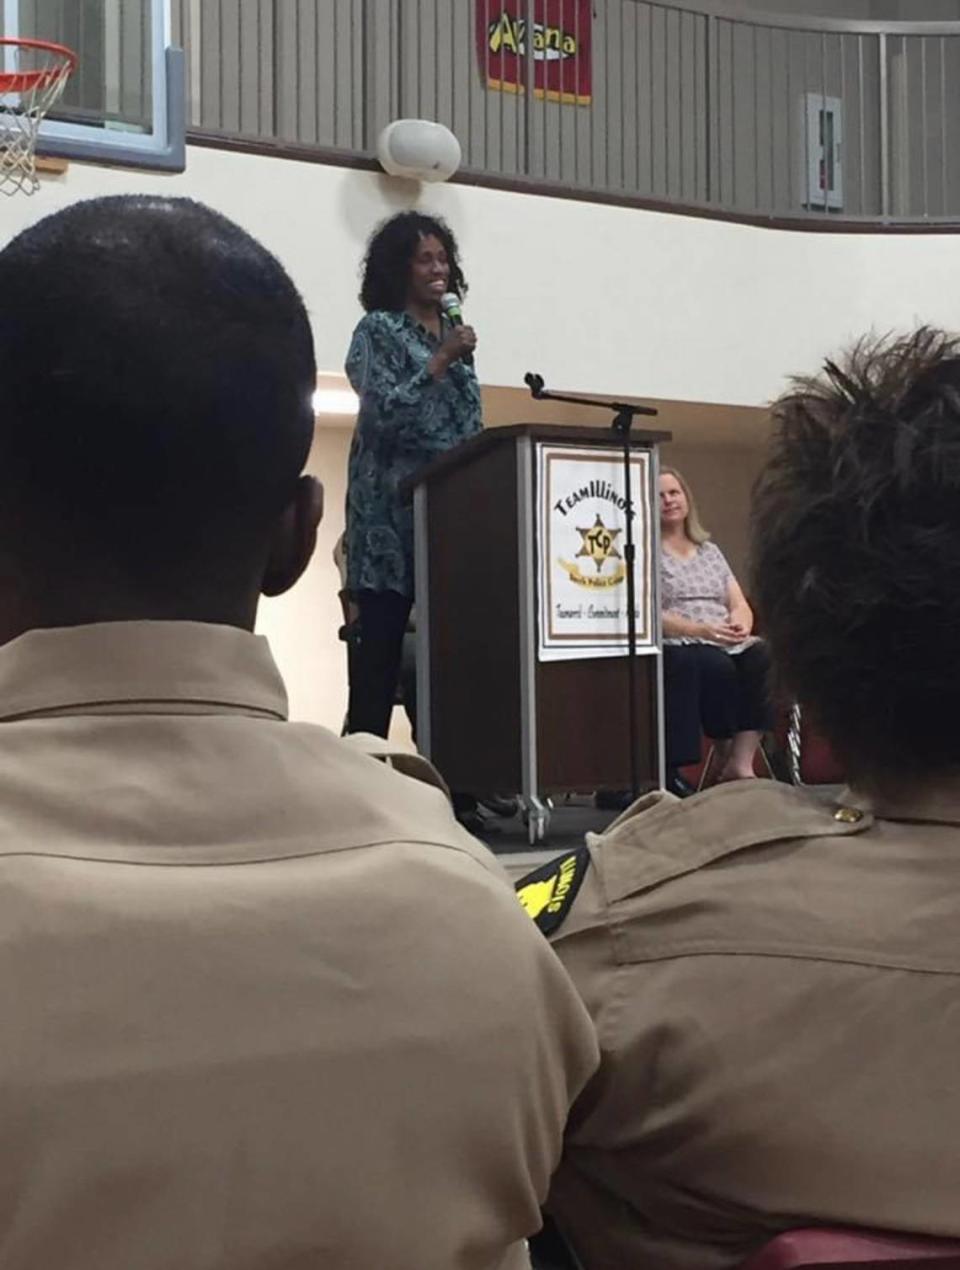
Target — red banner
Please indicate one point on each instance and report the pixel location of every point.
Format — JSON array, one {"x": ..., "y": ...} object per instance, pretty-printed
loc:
[{"x": 561, "y": 47}]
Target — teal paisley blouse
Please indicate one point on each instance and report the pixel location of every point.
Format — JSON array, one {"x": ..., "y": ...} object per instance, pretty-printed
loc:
[{"x": 406, "y": 419}]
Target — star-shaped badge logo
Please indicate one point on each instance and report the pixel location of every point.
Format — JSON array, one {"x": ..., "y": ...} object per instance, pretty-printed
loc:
[{"x": 599, "y": 543}]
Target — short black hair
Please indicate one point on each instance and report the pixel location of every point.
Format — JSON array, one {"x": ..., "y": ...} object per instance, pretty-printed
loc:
[
  {"x": 157, "y": 369},
  {"x": 856, "y": 553},
  {"x": 386, "y": 266}
]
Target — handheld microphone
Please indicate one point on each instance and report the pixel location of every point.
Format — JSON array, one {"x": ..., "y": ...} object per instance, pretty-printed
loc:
[{"x": 450, "y": 304}]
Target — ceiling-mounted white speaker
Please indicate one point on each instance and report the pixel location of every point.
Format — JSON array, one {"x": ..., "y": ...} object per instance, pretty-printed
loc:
[{"x": 419, "y": 150}]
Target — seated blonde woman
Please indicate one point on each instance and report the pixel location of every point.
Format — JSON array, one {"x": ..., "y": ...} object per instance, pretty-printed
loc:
[{"x": 715, "y": 669}]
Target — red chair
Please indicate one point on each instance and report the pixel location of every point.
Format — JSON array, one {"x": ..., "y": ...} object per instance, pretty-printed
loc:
[{"x": 826, "y": 1249}]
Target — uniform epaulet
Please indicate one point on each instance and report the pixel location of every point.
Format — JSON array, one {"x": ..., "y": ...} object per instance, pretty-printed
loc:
[
  {"x": 668, "y": 837},
  {"x": 547, "y": 893},
  {"x": 403, "y": 761}
]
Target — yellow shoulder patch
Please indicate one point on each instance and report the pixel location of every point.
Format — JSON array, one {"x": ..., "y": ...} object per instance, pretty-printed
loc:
[{"x": 548, "y": 893}]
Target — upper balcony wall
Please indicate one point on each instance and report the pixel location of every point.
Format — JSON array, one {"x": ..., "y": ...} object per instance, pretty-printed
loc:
[{"x": 706, "y": 106}]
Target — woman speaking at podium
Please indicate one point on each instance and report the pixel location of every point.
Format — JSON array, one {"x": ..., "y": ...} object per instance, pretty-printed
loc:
[{"x": 412, "y": 369}]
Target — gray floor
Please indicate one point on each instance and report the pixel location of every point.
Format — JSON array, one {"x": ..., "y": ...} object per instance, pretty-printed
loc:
[{"x": 570, "y": 821}]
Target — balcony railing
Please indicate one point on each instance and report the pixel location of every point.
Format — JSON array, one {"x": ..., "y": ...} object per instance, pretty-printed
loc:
[{"x": 685, "y": 105}]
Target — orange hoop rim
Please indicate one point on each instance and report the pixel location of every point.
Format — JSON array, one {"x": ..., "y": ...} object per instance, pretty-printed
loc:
[{"x": 26, "y": 81}]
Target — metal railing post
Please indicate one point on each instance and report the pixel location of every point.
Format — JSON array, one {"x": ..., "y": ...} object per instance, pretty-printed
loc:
[
  {"x": 366, "y": 79},
  {"x": 710, "y": 51},
  {"x": 529, "y": 97},
  {"x": 884, "y": 128}
]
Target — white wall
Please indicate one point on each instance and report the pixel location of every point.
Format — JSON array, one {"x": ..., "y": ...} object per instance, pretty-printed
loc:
[
  {"x": 597, "y": 298},
  {"x": 600, "y": 299},
  {"x": 302, "y": 625}
]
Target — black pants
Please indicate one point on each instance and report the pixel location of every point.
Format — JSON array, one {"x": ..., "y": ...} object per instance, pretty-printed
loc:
[
  {"x": 374, "y": 660},
  {"x": 380, "y": 655},
  {"x": 707, "y": 689}
]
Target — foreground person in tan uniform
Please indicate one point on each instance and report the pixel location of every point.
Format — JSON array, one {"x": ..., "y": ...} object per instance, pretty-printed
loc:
[
  {"x": 265, "y": 1006},
  {"x": 775, "y": 978}
]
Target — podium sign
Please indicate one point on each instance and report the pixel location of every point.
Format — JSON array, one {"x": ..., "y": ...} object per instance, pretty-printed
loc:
[{"x": 581, "y": 538}]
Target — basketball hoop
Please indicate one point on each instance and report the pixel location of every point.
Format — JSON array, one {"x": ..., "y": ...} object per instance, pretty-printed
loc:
[{"x": 33, "y": 74}]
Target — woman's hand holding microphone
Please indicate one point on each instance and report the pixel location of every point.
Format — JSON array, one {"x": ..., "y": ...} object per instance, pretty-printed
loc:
[{"x": 459, "y": 343}]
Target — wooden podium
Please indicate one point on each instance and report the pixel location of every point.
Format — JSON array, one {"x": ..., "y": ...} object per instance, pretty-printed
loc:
[{"x": 491, "y": 714}]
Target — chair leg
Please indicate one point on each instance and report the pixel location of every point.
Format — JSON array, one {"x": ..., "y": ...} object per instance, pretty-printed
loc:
[{"x": 705, "y": 770}]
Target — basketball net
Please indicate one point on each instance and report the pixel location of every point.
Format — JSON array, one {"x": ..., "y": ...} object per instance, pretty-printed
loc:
[{"x": 33, "y": 75}]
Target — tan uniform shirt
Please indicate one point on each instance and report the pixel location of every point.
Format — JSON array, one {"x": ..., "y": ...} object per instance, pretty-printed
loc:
[
  {"x": 263, "y": 1003},
  {"x": 776, "y": 986}
]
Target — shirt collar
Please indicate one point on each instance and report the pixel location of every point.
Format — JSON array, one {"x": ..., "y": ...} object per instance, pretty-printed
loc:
[
  {"x": 121, "y": 667},
  {"x": 446, "y": 326},
  {"x": 939, "y": 804}
]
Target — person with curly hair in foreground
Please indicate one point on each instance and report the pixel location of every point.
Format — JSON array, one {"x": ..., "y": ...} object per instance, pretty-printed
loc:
[{"x": 775, "y": 976}]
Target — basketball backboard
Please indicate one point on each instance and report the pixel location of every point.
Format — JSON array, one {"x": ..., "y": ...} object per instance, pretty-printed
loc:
[{"x": 126, "y": 102}]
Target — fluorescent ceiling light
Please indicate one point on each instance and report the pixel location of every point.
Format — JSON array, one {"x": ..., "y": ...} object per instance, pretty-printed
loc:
[{"x": 335, "y": 401}]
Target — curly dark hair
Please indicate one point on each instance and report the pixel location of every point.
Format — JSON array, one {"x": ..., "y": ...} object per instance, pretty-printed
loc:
[
  {"x": 856, "y": 553},
  {"x": 386, "y": 266}
]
